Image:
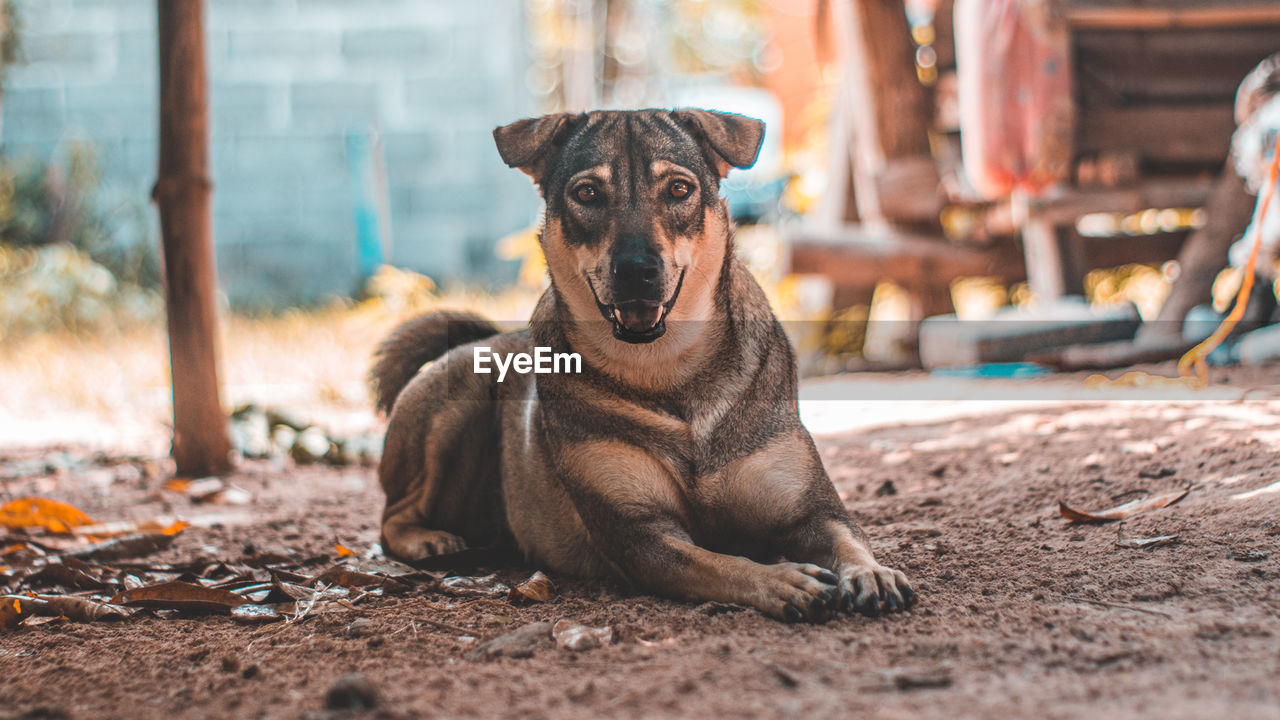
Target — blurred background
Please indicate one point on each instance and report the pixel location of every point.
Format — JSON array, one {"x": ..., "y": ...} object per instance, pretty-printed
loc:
[{"x": 1066, "y": 164}]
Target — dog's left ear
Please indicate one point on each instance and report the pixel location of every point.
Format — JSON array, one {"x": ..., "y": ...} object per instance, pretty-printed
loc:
[
  {"x": 527, "y": 144},
  {"x": 734, "y": 140}
]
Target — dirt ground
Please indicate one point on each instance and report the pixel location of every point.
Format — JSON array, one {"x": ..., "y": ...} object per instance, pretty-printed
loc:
[{"x": 1020, "y": 612}]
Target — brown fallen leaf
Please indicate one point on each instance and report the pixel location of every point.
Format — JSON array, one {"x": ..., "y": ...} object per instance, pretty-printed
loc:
[
  {"x": 14, "y": 609},
  {"x": 923, "y": 679},
  {"x": 297, "y": 592},
  {"x": 252, "y": 614},
  {"x": 388, "y": 567},
  {"x": 572, "y": 636},
  {"x": 346, "y": 577},
  {"x": 203, "y": 488},
  {"x": 1120, "y": 512},
  {"x": 115, "y": 528},
  {"x": 538, "y": 588},
  {"x": 80, "y": 609},
  {"x": 178, "y": 595},
  {"x": 60, "y": 574},
  {"x": 1147, "y": 541},
  {"x": 21, "y": 554},
  {"x": 519, "y": 643},
  {"x": 125, "y": 546},
  {"x": 256, "y": 593},
  {"x": 38, "y": 620},
  {"x": 52, "y": 515},
  {"x": 213, "y": 490},
  {"x": 474, "y": 586}
]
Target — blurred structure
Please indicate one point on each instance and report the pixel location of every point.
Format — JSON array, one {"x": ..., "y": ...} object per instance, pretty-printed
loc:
[
  {"x": 1094, "y": 133},
  {"x": 296, "y": 86}
]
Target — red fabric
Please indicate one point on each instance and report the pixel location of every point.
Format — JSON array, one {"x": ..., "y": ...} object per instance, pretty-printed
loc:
[{"x": 1015, "y": 96}]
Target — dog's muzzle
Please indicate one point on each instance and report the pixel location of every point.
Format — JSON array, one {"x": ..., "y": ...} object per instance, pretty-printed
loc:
[{"x": 638, "y": 321}]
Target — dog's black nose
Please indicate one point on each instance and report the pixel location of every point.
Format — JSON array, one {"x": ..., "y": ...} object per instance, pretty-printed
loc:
[{"x": 636, "y": 275}]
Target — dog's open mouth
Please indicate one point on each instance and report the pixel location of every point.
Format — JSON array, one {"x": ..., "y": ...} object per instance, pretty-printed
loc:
[{"x": 638, "y": 321}]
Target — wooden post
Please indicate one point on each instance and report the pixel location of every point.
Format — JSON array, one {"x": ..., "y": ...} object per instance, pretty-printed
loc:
[
  {"x": 1054, "y": 257},
  {"x": 4, "y": 32},
  {"x": 896, "y": 176},
  {"x": 183, "y": 193}
]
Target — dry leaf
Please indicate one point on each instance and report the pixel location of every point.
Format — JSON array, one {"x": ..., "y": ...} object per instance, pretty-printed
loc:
[
  {"x": 519, "y": 643},
  {"x": 572, "y": 636},
  {"x": 256, "y": 593},
  {"x": 346, "y": 577},
  {"x": 230, "y": 495},
  {"x": 210, "y": 490},
  {"x": 177, "y": 595},
  {"x": 52, "y": 515},
  {"x": 163, "y": 525},
  {"x": 251, "y": 614},
  {"x": 386, "y": 566},
  {"x": 80, "y": 609},
  {"x": 59, "y": 574},
  {"x": 37, "y": 620},
  {"x": 204, "y": 488},
  {"x": 1147, "y": 542},
  {"x": 474, "y": 586},
  {"x": 538, "y": 588},
  {"x": 295, "y": 591},
  {"x": 175, "y": 527},
  {"x": 21, "y": 554},
  {"x": 13, "y": 609},
  {"x": 1120, "y": 512},
  {"x": 661, "y": 643},
  {"x": 127, "y": 546}
]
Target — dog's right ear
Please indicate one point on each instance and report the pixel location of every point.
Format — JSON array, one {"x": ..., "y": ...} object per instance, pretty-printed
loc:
[{"x": 527, "y": 144}]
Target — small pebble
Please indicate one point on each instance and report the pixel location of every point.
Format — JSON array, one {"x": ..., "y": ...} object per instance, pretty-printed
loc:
[
  {"x": 352, "y": 691},
  {"x": 360, "y": 627}
]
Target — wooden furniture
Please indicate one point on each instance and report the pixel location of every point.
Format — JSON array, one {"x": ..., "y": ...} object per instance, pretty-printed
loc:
[
  {"x": 1154, "y": 84},
  {"x": 880, "y": 218}
]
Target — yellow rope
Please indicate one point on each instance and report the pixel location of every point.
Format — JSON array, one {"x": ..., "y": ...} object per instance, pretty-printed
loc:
[
  {"x": 1193, "y": 372},
  {"x": 1196, "y": 355}
]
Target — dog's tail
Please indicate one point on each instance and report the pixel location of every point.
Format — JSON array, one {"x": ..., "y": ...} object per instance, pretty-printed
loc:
[{"x": 416, "y": 343}]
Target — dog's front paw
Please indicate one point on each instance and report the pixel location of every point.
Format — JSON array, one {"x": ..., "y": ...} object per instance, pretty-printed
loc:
[
  {"x": 796, "y": 592},
  {"x": 873, "y": 589},
  {"x": 415, "y": 543}
]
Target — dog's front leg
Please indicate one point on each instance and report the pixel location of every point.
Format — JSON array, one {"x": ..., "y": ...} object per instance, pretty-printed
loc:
[
  {"x": 781, "y": 492},
  {"x": 633, "y": 509}
]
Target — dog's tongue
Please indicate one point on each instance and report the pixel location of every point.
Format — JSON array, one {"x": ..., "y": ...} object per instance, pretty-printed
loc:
[{"x": 638, "y": 315}]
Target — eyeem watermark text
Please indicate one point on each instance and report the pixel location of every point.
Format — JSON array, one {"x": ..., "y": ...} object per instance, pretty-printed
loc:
[{"x": 541, "y": 362}]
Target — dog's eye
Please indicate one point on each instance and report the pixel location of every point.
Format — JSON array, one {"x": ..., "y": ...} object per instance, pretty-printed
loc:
[
  {"x": 679, "y": 189},
  {"x": 586, "y": 193}
]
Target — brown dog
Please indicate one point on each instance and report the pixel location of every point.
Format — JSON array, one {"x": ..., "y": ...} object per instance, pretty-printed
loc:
[{"x": 674, "y": 458}]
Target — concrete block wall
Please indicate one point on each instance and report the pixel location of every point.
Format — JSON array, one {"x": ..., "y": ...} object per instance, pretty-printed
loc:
[{"x": 289, "y": 80}]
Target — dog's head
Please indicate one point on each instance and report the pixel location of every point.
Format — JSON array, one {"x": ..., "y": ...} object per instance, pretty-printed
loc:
[{"x": 634, "y": 218}]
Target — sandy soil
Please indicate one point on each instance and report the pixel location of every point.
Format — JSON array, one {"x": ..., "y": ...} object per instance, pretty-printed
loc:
[{"x": 1020, "y": 612}]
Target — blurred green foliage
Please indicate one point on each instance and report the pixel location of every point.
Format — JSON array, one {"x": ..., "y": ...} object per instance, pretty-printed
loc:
[
  {"x": 9, "y": 36},
  {"x": 72, "y": 256}
]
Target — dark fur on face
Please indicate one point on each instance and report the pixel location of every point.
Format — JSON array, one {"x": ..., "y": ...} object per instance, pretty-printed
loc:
[{"x": 625, "y": 188}]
